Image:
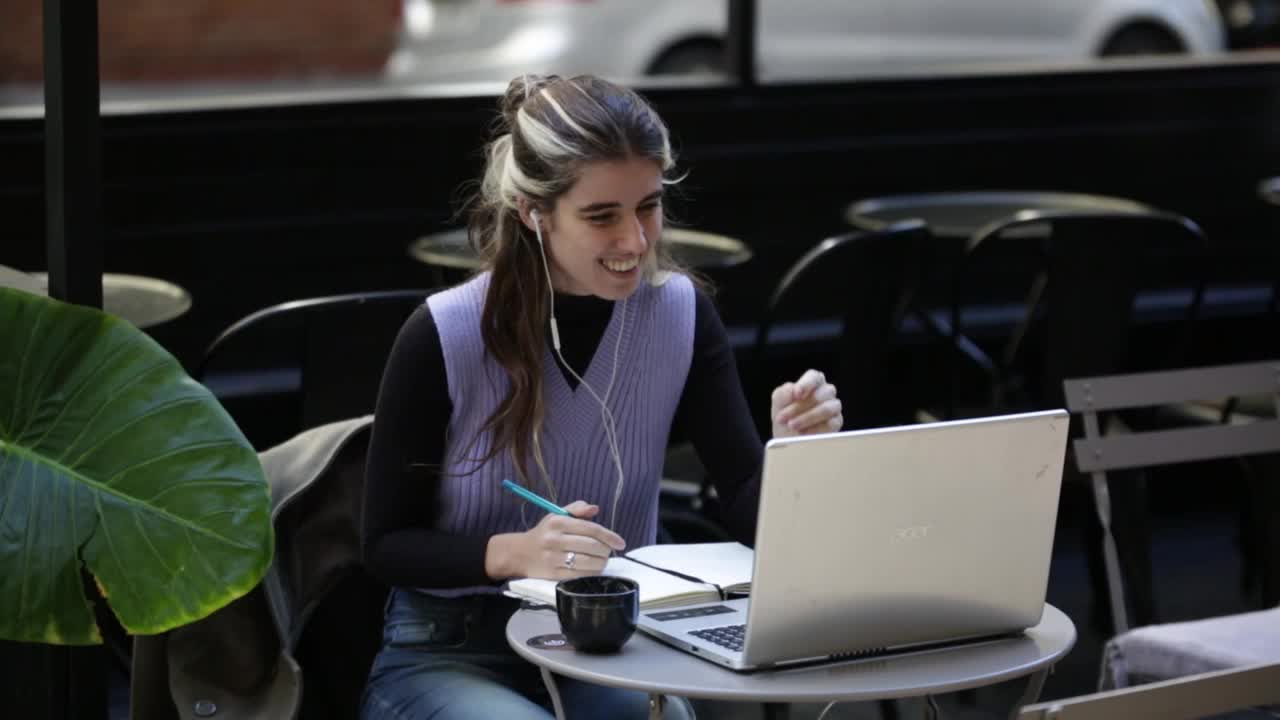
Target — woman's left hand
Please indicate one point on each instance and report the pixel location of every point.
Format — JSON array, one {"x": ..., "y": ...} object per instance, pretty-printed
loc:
[{"x": 806, "y": 406}]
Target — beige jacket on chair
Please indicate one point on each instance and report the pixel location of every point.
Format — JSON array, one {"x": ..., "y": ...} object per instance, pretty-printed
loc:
[{"x": 240, "y": 662}]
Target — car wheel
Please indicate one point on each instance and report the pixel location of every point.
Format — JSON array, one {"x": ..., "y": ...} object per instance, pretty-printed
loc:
[
  {"x": 697, "y": 56},
  {"x": 1143, "y": 39}
]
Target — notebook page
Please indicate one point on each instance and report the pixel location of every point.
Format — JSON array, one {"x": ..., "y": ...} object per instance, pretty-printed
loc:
[
  {"x": 726, "y": 564},
  {"x": 656, "y": 587}
]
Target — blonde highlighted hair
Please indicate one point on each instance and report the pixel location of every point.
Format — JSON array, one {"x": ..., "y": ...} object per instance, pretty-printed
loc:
[{"x": 550, "y": 128}]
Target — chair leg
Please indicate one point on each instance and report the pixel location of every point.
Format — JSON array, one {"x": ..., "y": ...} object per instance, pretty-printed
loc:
[
  {"x": 1132, "y": 522},
  {"x": 1104, "y": 560},
  {"x": 1118, "y": 540},
  {"x": 549, "y": 679},
  {"x": 1035, "y": 684},
  {"x": 1261, "y": 535},
  {"x": 1270, "y": 509}
]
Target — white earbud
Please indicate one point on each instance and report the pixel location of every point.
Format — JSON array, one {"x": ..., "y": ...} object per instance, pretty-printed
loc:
[
  {"x": 606, "y": 416},
  {"x": 555, "y": 327}
]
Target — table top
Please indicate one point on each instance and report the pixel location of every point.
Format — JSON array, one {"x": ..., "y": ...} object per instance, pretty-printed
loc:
[
  {"x": 647, "y": 665},
  {"x": 691, "y": 248},
  {"x": 18, "y": 280},
  {"x": 962, "y": 214},
  {"x": 143, "y": 301}
]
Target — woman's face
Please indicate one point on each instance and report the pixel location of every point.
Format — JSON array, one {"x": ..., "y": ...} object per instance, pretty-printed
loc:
[{"x": 601, "y": 231}]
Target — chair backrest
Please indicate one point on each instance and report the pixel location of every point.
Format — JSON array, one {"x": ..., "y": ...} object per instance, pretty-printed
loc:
[
  {"x": 307, "y": 362},
  {"x": 864, "y": 282},
  {"x": 1093, "y": 265},
  {"x": 1096, "y": 454},
  {"x": 1192, "y": 696},
  {"x": 1091, "y": 396}
]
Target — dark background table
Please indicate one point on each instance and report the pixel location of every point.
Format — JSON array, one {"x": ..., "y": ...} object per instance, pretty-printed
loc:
[
  {"x": 962, "y": 214},
  {"x": 691, "y": 248}
]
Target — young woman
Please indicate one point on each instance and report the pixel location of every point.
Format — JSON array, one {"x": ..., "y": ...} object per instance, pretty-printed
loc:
[{"x": 562, "y": 366}]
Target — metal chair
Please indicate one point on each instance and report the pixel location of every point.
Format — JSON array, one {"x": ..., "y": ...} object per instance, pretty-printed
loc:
[
  {"x": 1151, "y": 652},
  {"x": 1083, "y": 271},
  {"x": 1079, "y": 309},
  {"x": 1193, "y": 696},
  {"x": 307, "y": 362},
  {"x": 863, "y": 283}
]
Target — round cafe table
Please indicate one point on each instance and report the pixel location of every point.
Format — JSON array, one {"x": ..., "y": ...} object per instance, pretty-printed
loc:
[
  {"x": 143, "y": 301},
  {"x": 690, "y": 248},
  {"x": 649, "y": 666},
  {"x": 18, "y": 280},
  {"x": 962, "y": 214}
]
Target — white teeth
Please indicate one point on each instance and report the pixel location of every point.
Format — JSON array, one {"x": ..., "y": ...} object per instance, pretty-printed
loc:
[{"x": 620, "y": 265}]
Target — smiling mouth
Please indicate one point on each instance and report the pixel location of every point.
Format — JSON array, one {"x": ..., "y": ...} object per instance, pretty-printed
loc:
[{"x": 621, "y": 267}]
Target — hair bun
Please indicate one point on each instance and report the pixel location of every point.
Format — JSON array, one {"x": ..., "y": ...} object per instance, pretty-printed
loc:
[{"x": 520, "y": 89}]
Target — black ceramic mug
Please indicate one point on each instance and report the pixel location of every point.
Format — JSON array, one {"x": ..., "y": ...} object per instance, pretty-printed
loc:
[{"x": 598, "y": 613}]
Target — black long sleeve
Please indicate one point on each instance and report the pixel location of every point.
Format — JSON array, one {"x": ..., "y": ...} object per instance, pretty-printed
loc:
[
  {"x": 412, "y": 417},
  {"x": 714, "y": 416}
]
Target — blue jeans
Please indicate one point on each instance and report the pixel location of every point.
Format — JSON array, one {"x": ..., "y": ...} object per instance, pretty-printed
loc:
[{"x": 448, "y": 659}]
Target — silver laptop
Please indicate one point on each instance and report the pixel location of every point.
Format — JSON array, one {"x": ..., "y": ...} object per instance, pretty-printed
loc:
[{"x": 889, "y": 539}]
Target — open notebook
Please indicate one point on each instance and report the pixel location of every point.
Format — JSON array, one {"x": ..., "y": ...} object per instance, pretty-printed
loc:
[{"x": 707, "y": 569}]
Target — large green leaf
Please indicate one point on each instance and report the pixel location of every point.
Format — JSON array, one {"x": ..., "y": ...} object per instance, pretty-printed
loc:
[{"x": 112, "y": 459}]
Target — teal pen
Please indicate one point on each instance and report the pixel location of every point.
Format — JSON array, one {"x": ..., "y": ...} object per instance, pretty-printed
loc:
[{"x": 536, "y": 499}]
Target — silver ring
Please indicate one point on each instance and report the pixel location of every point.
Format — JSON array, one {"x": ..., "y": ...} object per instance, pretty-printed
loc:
[{"x": 570, "y": 558}]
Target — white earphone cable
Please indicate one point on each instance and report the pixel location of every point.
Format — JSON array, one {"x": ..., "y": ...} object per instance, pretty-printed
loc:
[{"x": 610, "y": 425}]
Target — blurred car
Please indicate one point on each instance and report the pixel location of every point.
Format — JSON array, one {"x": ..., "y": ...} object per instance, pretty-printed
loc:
[
  {"x": 473, "y": 40},
  {"x": 485, "y": 40}
]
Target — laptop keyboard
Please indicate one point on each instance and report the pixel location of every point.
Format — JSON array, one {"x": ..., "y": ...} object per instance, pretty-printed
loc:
[{"x": 728, "y": 636}]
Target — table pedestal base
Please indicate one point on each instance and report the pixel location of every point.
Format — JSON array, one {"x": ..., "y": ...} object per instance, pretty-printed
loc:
[{"x": 1035, "y": 684}]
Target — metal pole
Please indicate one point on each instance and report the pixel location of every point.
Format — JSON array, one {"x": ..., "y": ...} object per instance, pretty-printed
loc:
[
  {"x": 65, "y": 683},
  {"x": 73, "y": 151},
  {"x": 741, "y": 46}
]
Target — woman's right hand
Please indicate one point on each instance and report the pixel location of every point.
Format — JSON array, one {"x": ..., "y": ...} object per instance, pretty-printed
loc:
[{"x": 557, "y": 548}]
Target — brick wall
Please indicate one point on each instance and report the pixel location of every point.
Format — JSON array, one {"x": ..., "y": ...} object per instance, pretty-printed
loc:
[{"x": 177, "y": 40}]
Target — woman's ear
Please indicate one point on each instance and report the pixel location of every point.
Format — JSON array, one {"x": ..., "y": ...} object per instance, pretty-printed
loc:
[{"x": 531, "y": 215}]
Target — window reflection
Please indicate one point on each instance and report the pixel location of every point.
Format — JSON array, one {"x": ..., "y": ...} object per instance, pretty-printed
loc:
[
  {"x": 815, "y": 39},
  {"x": 163, "y": 47},
  {"x": 455, "y": 40}
]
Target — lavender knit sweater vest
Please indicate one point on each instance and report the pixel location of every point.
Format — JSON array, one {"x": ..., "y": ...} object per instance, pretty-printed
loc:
[{"x": 653, "y": 356}]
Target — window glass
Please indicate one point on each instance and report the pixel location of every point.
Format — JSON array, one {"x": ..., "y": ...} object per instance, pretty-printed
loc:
[
  {"x": 842, "y": 39},
  {"x": 183, "y": 48}
]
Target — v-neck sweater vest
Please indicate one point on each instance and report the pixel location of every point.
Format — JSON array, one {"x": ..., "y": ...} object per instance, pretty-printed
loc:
[{"x": 652, "y": 350}]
